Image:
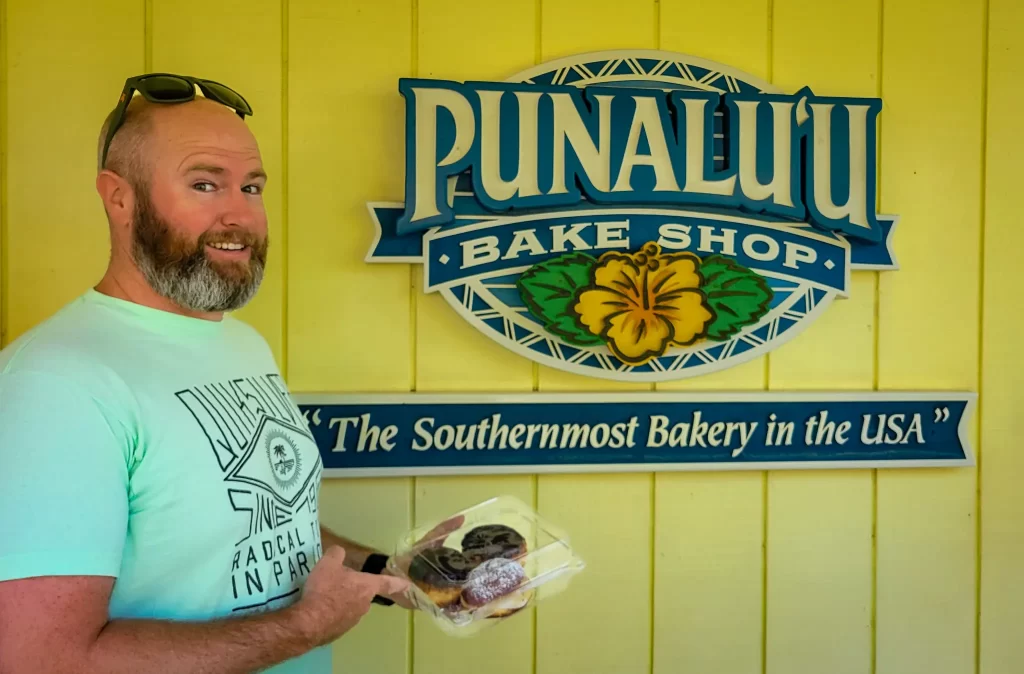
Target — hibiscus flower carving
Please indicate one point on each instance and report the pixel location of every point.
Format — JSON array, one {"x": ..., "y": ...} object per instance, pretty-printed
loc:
[{"x": 640, "y": 303}]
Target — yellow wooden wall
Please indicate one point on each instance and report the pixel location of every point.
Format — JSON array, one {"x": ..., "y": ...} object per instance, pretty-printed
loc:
[{"x": 853, "y": 572}]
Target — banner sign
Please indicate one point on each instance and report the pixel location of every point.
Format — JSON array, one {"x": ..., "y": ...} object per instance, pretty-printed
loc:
[
  {"x": 637, "y": 215},
  {"x": 425, "y": 434}
]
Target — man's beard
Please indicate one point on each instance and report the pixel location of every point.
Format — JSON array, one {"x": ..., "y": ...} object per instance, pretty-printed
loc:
[{"x": 181, "y": 271}]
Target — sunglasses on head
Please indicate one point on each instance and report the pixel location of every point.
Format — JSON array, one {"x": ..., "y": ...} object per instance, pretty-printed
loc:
[{"x": 169, "y": 88}]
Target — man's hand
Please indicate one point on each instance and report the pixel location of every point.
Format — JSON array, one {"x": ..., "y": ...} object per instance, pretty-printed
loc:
[
  {"x": 356, "y": 554},
  {"x": 335, "y": 598}
]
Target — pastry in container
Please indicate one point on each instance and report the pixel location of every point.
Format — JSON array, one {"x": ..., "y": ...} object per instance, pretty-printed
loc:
[{"x": 484, "y": 564}]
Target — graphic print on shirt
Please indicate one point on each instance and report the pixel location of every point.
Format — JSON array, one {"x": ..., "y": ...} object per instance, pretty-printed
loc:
[{"x": 271, "y": 468}]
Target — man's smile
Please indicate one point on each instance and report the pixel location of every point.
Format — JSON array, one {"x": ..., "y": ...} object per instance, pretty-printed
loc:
[{"x": 228, "y": 251}]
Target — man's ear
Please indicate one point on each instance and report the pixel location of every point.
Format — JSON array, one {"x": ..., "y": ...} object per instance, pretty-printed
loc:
[{"x": 118, "y": 197}]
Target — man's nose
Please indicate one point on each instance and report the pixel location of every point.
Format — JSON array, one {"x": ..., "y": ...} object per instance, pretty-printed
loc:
[{"x": 240, "y": 211}]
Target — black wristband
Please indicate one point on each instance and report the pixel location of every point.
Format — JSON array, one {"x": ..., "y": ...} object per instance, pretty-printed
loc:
[{"x": 375, "y": 563}]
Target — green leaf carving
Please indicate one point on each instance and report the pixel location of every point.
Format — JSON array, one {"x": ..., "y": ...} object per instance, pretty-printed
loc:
[
  {"x": 739, "y": 296},
  {"x": 548, "y": 289}
]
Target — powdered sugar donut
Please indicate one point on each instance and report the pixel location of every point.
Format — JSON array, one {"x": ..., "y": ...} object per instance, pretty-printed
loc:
[{"x": 496, "y": 579}]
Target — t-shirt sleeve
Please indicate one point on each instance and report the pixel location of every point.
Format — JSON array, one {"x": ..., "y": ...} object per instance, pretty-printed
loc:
[{"x": 63, "y": 479}]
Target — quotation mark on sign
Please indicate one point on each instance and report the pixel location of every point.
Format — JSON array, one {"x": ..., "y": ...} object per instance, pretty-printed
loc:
[
  {"x": 316, "y": 416},
  {"x": 941, "y": 414}
]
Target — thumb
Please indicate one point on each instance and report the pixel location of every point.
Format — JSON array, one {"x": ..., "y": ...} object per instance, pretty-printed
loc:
[{"x": 335, "y": 554}]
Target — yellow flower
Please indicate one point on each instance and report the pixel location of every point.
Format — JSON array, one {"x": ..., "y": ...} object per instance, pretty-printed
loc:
[{"x": 642, "y": 302}]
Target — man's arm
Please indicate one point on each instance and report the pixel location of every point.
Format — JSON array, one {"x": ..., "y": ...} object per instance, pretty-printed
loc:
[{"x": 59, "y": 624}]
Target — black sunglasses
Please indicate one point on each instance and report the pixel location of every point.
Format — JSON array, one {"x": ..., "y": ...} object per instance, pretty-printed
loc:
[{"x": 169, "y": 88}]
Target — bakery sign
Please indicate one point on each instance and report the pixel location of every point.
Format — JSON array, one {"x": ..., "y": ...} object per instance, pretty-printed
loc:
[
  {"x": 364, "y": 435},
  {"x": 639, "y": 216}
]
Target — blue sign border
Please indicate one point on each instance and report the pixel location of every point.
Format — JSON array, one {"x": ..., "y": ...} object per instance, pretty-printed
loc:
[{"x": 690, "y": 432}]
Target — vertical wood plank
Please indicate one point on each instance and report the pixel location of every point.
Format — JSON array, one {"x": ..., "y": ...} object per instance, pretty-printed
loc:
[
  {"x": 709, "y": 527},
  {"x": 183, "y": 44},
  {"x": 374, "y": 512},
  {"x": 928, "y": 335},
  {"x": 601, "y": 624},
  {"x": 1002, "y": 465},
  {"x": 571, "y": 28},
  {"x": 734, "y": 33},
  {"x": 600, "y": 25},
  {"x": 465, "y": 40},
  {"x": 345, "y": 148},
  {"x": 3, "y": 173},
  {"x": 458, "y": 40},
  {"x": 820, "y": 522},
  {"x": 57, "y": 235},
  {"x": 583, "y": 630}
]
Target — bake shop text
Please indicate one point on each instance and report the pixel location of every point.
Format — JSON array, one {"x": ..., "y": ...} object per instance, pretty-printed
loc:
[{"x": 424, "y": 434}]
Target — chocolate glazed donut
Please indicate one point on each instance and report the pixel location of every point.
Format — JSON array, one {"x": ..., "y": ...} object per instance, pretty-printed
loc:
[
  {"x": 491, "y": 541},
  {"x": 441, "y": 573}
]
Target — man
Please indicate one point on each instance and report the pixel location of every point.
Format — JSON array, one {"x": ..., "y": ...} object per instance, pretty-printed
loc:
[{"x": 158, "y": 490}]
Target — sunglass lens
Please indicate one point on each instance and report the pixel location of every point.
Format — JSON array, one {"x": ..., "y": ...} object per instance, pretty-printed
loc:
[
  {"x": 166, "y": 89},
  {"x": 227, "y": 97}
]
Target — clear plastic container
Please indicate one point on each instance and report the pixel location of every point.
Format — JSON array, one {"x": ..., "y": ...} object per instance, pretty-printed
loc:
[{"x": 484, "y": 564}]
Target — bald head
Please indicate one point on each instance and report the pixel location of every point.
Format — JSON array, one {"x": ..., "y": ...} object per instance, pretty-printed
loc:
[
  {"x": 183, "y": 190},
  {"x": 144, "y": 122}
]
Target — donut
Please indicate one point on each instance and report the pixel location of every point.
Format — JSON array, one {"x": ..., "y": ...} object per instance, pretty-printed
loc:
[
  {"x": 491, "y": 541},
  {"x": 496, "y": 580},
  {"x": 440, "y": 573}
]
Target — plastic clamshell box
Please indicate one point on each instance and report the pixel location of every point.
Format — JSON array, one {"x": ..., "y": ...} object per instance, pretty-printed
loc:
[{"x": 541, "y": 570}]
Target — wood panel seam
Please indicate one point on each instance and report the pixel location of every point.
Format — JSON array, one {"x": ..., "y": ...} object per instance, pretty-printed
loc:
[
  {"x": 981, "y": 336},
  {"x": 770, "y": 74},
  {"x": 876, "y": 373},
  {"x": 654, "y": 475},
  {"x": 147, "y": 32},
  {"x": 414, "y": 68},
  {"x": 538, "y": 20},
  {"x": 4, "y": 78},
  {"x": 285, "y": 266}
]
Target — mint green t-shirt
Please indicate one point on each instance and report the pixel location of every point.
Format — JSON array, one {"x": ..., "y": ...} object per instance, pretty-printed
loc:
[{"x": 164, "y": 451}]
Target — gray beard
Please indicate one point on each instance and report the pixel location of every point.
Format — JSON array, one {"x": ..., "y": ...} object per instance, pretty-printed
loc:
[{"x": 195, "y": 285}]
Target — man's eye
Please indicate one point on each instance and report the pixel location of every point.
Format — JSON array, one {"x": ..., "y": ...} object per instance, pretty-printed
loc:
[
  {"x": 253, "y": 189},
  {"x": 204, "y": 186}
]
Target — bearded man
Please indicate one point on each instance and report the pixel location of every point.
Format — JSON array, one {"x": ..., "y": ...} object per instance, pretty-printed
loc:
[{"x": 159, "y": 489}]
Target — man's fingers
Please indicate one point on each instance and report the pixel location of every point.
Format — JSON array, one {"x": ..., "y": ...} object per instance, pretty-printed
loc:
[
  {"x": 452, "y": 524},
  {"x": 392, "y": 585},
  {"x": 435, "y": 537}
]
